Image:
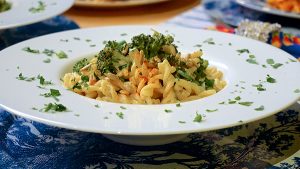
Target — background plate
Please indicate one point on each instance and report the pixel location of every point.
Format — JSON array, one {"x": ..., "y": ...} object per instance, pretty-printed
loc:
[
  {"x": 260, "y": 5},
  {"x": 20, "y": 14},
  {"x": 116, "y": 3}
]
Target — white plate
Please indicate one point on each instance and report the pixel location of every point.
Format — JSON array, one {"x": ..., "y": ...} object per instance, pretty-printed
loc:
[
  {"x": 19, "y": 97},
  {"x": 260, "y": 5},
  {"x": 116, "y": 3},
  {"x": 20, "y": 14}
]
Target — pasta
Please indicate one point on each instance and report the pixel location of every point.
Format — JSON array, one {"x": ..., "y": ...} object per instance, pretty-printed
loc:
[
  {"x": 285, "y": 5},
  {"x": 149, "y": 70}
]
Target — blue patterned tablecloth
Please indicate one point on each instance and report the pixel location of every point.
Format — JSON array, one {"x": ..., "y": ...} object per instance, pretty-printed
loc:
[{"x": 27, "y": 144}]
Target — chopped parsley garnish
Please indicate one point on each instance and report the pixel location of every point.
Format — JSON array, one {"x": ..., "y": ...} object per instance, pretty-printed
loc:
[
  {"x": 28, "y": 49},
  {"x": 259, "y": 87},
  {"x": 41, "y": 87},
  {"x": 120, "y": 115},
  {"x": 178, "y": 105},
  {"x": 168, "y": 111},
  {"x": 222, "y": 103},
  {"x": 291, "y": 60},
  {"x": 252, "y": 61},
  {"x": 61, "y": 55},
  {"x": 34, "y": 108},
  {"x": 260, "y": 108},
  {"x": 92, "y": 45},
  {"x": 231, "y": 102},
  {"x": 27, "y": 79},
  {"x": 270, "y": 79},
  {"x": 88, "y": 40},
  {"x": 77, "y": 86},
  {"x": 41, "y": 7},
  {"x": 122, "y": 107},
  {"x": 43, "y": 81},
  {"x": 97, "y": 106},
  {"x": 210, "y": 111},
  {"x": 85, "y": 78},
  {"x": 198, "y": 118},
  {"x": 270, "y": 61},
  {"x": 123, "y": 34},
  {"x": 198, "y": 45},
  {"x": 76, "y": 38},
  {"x": 185, "y": 75},
  {"x": 240, "y": 121},
  {"x": 237, "y": 98},
  {"x": 246, "y": 103},
  {"x": 54, "y": 107},
  {"x": 243, "y": 51},
  {"x": 105, "y": 117},
  {"x": 297, "y": 91},
  {"x": 64, "y": 40},
  {"x": 182, "y": 122},
  {"x": 273, "y": 64},
  {"x": 209, "y": 83},
  {"x": 84, "y": 82},
  {"x": 47, "y": 60},
  {"x": 276, "y": 65},
  {"x": 264, "y": 66},
  {"x": 230, "y": 44},
  {"x": 77, "y": 115},
  {"x": 53, "y": 93},
  {"x": 48, "y": 52},
  {"x": 209, "y": 41}
]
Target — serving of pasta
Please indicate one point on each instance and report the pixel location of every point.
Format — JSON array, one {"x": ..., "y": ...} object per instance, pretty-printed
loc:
[
  {"x": 148, "y": 70},
  {"x": 285, "y": 5}
]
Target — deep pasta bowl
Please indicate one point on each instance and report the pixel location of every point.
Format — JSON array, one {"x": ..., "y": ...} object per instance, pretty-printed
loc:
[{"x": 258, "y": 80}]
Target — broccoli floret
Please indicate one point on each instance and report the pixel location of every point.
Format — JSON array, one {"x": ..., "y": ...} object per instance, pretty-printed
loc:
[
  {"x": 151, "y": 45},
  {"x": 80, "y": 64},
  {"x": 118, "y": 46},
  {"x": 104, "y": 62},
  {"x": 112, "y": 57}
]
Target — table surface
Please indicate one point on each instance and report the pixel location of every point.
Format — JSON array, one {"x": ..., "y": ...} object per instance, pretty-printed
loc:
[
  {"x": 147, "y": 14},
  {"x": 81, "y": 143}
]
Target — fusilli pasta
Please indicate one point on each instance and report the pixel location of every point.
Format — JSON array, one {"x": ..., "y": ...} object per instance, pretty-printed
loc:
[{"x": 149, "y": 70}]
